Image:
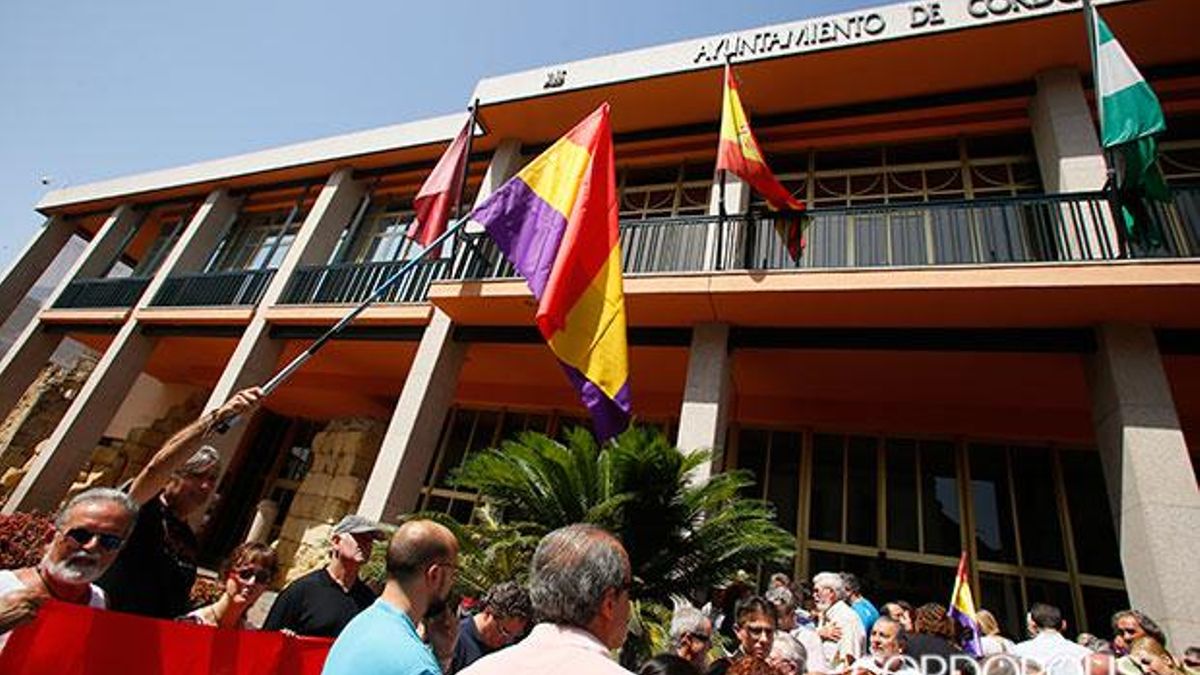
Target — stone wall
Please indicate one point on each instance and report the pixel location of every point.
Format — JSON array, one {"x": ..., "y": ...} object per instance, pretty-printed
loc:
[
  {"x": 343, "y": 454},
  {"x": 36, "y": 415}
]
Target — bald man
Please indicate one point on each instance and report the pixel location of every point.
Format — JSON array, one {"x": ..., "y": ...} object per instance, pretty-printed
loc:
[{"x": 422, "y": 562}]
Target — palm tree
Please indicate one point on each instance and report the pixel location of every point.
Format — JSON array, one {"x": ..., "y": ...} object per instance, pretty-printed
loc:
[{"x": 682, "y": 537}]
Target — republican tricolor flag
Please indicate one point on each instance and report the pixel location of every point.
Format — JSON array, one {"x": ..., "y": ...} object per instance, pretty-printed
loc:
[
  {"x": 738, "y": 153},
  {"x": 962, "y": 609},
  {"x": 556, "y": 222}
]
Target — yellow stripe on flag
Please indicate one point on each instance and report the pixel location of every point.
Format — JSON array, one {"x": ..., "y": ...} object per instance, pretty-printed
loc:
[
  {"x": 594, "y": 340},
  {"x": 556, "y": 174},
  {"x": 735, "y": 128}
]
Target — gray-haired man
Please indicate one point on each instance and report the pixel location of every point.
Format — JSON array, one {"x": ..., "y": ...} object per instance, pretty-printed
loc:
[
  {"x": 88, "y": 533},
  {"x": 579, "y": 586},
  {"x": 154, "y": 574},
  {"x": 691, "y": 636}
]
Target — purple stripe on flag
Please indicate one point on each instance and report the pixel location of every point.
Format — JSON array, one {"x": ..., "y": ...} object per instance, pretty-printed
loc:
[
  {"x": 609, "y": 417},
  {"x": 971, "y": 643},
  {"x": 526, "y": 228}
]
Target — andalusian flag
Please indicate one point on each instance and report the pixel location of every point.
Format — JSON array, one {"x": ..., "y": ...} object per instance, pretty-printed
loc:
[
  {"x": 962, "y": 609},
  {"x": 556, "y": 222},
  {"x": 1130, "y": 116},
  {"x": 738, "y": 153}
]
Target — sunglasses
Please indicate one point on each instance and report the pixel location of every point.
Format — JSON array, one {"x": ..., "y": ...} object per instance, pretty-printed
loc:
[
  {"x": 83, "y": 536},
  {"x": 700, "y": 637},
  {"x": 248, "y": 574}
]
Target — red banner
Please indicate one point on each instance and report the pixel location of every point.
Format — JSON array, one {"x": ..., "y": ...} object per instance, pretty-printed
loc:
[{"x": 74, "y": 640}]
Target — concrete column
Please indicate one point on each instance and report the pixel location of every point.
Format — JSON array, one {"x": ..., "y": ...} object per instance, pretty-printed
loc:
[
  {"x": 56, "y": 466},
  {"x": 77, "y": 434},
  {"x": 31, "y": 262},
  {"x": 25, "y": 359},
  {"x": 256, "y": 356},
  {"x": 412, "y": 436},
  {"x": 506, "y": 162},
  {"x": 704, "y": 417},
  {"x": 1151, "y": 485},
  {"x": 1069, "y": 155},
  {"x": 737, "y": 202}
]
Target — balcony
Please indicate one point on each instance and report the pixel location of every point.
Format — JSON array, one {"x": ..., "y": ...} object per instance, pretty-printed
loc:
[
  {"x": 1036, "y": 229},
  {"x": 351, "y": 283},
  {"x": 101, "y": 293},
  {"x": 1048, "y": 228},
  {"x": 221, "y": 289}
]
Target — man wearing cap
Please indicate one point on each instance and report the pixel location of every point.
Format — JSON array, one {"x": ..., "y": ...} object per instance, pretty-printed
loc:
[
  {"x": 154, "y": 573},
  {"x": 322, "y": 602}
]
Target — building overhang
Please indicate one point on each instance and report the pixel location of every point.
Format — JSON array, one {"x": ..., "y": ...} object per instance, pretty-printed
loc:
[
  {"x": 885, "y": 54},
  {"x": 1159, "y": 293}
]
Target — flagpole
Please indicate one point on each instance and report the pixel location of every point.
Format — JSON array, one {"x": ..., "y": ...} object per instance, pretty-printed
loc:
[
  {"x": 288, "y": 370},
  {"x": 721, "y": 213},
  {"x": 1110, "y": 170}
]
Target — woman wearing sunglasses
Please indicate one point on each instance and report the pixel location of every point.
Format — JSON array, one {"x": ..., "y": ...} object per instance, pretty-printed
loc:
[{"x": 246, "y": 573}]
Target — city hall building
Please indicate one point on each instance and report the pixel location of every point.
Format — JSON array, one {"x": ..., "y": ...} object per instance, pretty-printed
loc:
[{"x": 967, "y": 356}]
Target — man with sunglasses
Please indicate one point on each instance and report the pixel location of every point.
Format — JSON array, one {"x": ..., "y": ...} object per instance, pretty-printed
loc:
[
  {"x": 691, "y": 635},
  {"x": 88, "y": 534},
  {"x": 322, "y": 602},
  {"x": 154, "y": 574}
]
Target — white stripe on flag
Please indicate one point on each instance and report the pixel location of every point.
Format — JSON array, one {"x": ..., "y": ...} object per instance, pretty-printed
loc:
[{"x": 1116, "y": 70}]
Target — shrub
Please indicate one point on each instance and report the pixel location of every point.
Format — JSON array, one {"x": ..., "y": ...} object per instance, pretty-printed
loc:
[{"x": 23, "y": 538}]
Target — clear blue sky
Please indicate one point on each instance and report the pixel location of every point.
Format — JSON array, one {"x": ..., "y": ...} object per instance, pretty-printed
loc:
[{"x": 93, "y": 90}]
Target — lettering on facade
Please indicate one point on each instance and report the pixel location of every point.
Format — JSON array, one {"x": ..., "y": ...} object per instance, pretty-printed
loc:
[
  {"x": 926, "y": 14},
  {"x": 841, "y": 30},
  {"x": 888, "y": 22},
  {"x": 986, "y": 9},
  {"x": 555, "y": 79}
]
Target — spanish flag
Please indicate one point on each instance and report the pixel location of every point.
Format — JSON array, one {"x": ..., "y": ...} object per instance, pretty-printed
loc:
[
  {"x": 962, "y": 608},
  {"x": 556, "y": 222},
  {"x": 738, "y": 153}
]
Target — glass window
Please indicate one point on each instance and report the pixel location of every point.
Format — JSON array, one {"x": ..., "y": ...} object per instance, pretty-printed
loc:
[
  {"x": 826, "y": 505},
  {"x": 1037, "y": 508},
  {"x": 752, "y": 457},
  {"x": 783, "y": 488},
  {"x": 939, "y": 498},
  {"x": 1096, "y": 548},
  {"x": 1000, "y": 594},
  {"x": 862, "y": 494},
  {"x": 995, "y": 538},
  {"x": 901, "y": 465},
  {"x": 1099, "y": 604}
]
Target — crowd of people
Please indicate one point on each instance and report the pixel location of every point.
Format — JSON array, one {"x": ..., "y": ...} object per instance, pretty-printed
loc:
[{"x": 132, "y": 549}]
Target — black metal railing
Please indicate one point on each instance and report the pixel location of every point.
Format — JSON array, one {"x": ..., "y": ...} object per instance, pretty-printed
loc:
[
  {"x": 351, "y": 283},
  {"x": 1043, "y": 228},
  {"x": 101, "y": 293},
  {"x": 1027, "y": 229},
  {"x": 229, "y": 288}
]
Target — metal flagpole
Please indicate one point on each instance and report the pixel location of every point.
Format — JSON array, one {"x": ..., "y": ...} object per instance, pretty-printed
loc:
[
  {"x": 287, "y": 371},
  {"x": 1110, "y": 170}
]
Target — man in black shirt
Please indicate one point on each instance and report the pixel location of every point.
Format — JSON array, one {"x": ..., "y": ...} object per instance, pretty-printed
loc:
[
  {"x": 502, "y": 620},
  {"x": 154, "y": 573},
  {"x": 322, "y": 602}
]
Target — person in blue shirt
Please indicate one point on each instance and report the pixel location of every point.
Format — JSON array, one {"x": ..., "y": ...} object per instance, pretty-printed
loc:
[
  {"x": 422, "y": 562},
  {"x": 863, "y": 607}
]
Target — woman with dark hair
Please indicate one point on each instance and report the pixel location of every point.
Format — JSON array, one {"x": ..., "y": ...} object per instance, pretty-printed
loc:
[
  {"x": 245, "y": 573},
  {"x": 901, "y": 612},
  {"x": 667, "y": 664},
  {"x": 933, "y": 633}
]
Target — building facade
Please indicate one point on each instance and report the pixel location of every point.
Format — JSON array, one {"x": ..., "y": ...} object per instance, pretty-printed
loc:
[{"x": 967, "y": 356}]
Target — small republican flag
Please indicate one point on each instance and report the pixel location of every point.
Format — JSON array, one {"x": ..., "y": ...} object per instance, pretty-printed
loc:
[{"x": 962, "y": 609}]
